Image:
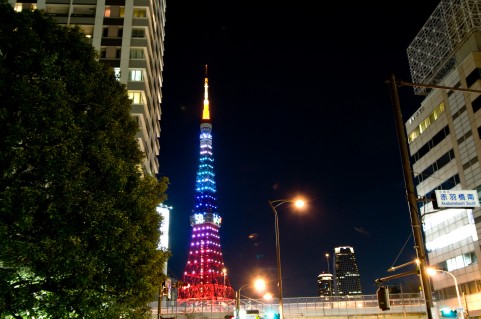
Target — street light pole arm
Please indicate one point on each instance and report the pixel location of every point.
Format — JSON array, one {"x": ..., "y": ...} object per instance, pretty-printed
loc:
[
  {"x": 239, "y": 290},
  {"x": 457, "y": 290},
  {"x": 238, "y": 299},
  {"x": 278, "y": 202},
  {"x": 278, "y": 252}
]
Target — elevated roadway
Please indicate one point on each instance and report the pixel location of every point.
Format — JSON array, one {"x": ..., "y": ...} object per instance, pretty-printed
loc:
[{"x": 402, "y": 306}]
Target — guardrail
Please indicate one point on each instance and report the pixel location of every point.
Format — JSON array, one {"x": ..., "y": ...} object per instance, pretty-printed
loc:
[{"x": 300, "y": 307}]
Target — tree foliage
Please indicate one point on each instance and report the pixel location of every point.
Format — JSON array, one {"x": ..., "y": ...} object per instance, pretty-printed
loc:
[{"x": 78, "y": 226}]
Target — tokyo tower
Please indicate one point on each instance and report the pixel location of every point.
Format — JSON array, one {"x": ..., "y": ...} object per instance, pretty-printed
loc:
[{"x": 205, "y": 277}]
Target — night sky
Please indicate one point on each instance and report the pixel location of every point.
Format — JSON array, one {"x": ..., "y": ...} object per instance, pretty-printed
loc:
[{"x": 299, "y": 105}]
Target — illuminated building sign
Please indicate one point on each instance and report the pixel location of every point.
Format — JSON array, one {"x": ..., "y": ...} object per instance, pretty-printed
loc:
[
  {"x": 198, "y": 219},
  {"x": 457, "y": 199}
]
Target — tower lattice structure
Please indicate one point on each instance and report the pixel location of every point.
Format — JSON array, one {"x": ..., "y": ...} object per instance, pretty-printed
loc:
[{"x": 205, "y": 277}]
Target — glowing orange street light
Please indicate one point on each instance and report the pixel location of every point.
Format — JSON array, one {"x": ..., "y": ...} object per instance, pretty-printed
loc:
[
  {"x": 259, "y": 284},
  {"x": 267, "y": 296}
]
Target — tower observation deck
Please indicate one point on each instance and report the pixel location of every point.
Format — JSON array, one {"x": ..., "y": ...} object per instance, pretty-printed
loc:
[
  {"x": 205, "y": 277},
  {"x": 434, "y": 52}
]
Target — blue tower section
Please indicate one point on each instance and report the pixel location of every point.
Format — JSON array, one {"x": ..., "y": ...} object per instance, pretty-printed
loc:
[{"x": 205, "y": 276}]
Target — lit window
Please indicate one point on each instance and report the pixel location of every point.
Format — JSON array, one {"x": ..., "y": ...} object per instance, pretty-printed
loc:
[
  {"x": 426, "y": 122},
  {"x": 107, "y": 12},
  {"x": 140, "y": 13},
  {"x": 135, "y": 75},
  {"x": 122, "y": 12},
  {"x": 18, "y": 7},
  {"x": 136, "y": 97}
]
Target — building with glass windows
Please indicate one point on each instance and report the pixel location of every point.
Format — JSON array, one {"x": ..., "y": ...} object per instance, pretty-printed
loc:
[
  {"x": 445, "y": 146},
  {"x": 347, "y": 281},
  {"x": 129, "y": 36}
]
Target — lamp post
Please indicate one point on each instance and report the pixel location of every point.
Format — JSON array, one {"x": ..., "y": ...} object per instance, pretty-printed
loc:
[
  {"x": 329, "y": 272},
  {"x": 274, "y": 204},
  {"x": 237, "y": 301},
  {"x": 432, "y": 271},
  {"x": 327, "y": 259},
  {"x": 259, "y": 284},
  {"x": 411, "y": 195}
]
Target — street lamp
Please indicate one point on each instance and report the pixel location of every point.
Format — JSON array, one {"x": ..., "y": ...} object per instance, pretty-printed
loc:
[
  {"x": 329, "y": 272},
  {"x": 432, "y": 271},
  {"x": 259, "y": 284},
  {"x": 299, "y": 203},
  {"x": 327, "y": 259}
]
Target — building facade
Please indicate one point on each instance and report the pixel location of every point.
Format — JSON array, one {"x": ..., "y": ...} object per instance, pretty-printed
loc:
[
  {"x": 445, "y": 146},
  {"x": 129, "y": 37},
  {"x": 347, "y": 281}
]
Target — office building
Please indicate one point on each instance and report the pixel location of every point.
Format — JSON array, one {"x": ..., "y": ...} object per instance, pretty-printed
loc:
[
  {"x": 347, "y": 281},
  {"x": 445, "y": 147},
  {"x": 129, "y": 36}
]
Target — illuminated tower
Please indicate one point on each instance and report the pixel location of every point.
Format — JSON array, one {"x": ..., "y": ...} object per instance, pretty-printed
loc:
[{"x": 205, "y": 277}]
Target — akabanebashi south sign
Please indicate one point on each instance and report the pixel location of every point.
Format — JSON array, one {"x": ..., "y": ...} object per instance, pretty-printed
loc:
[{"x": 457, "y": 199}]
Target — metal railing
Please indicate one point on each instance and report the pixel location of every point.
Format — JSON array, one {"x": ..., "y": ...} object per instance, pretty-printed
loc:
[{"x": 294, "y": 307}]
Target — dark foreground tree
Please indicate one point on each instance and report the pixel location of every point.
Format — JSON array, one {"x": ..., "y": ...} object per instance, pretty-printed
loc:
[{"x": 78, "y": 226}]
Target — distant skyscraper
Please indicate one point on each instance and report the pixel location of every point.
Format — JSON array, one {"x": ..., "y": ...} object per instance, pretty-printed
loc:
[
  {"x": 346, "y": 272},
  {"x": 129, "y": 37},
  {"x": 324, "y": 285},
  {"x": 204, "y": 276}
]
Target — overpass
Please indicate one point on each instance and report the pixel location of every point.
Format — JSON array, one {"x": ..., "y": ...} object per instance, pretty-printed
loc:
[{"x": 402, "y": 306}]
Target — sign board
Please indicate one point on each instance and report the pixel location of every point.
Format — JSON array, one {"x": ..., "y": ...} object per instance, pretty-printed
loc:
[{"x": 457, "y": 199}]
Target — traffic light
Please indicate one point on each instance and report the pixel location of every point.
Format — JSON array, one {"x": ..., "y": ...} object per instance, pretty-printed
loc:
[
  {"x": 448, "y": 313},
  {"x": 383, "y": 298}
]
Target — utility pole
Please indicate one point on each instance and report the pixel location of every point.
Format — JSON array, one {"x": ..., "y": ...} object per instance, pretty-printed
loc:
[
  {"x": 411, "y": 196},
  {"x": 408, "y": 179}
]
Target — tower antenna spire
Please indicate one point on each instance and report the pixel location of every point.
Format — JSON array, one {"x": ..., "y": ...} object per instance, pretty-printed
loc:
[{"x": 206, "y": 112}]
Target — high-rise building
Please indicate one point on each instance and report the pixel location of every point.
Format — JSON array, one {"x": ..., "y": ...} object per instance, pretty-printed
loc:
[
  {"x": 445, "y": 146},
  {"x": 347, "y": 280},
  {"x": 324, "y": 285},
  {"x": 205, "y": 277},
  {"x": 129, "y": 36}
]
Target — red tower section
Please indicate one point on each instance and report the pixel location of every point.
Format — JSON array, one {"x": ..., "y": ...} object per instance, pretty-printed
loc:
[{"x": 205, "y": 277}]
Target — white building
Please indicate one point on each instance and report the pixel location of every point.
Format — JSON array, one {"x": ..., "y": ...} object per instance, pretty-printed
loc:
[
  {"x": 164, "y": 211},
  {"x": 129, "y": 36},
  {"x": 445, "y": 146}
]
